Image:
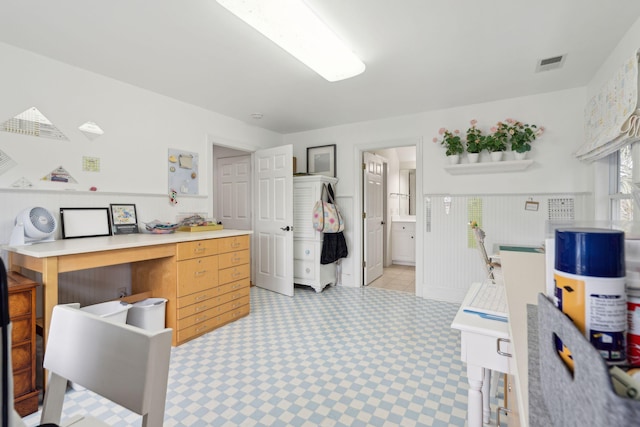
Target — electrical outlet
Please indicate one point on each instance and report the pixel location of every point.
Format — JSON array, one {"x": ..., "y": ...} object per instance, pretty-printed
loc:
[{"x": 122, "y": 292}]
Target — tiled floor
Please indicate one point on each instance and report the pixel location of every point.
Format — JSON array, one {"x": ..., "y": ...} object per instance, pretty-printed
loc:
[
  {"x": 343, "y": 357},
  {"x": 397, "y": 278}
]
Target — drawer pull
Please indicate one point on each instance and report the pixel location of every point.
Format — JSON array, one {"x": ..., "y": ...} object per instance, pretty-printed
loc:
[
  {"x": 201, "y": 297},
  {"x": 199, "y": 250},
  {"x": 204, "y": 307},
  {"x": 200, "y": 319},
  {"x": 235, "y": 306},
  {"x": 236, "y": 274},
  {"x": 234, "y": 287},
  {"x": 235, "y": 245},
  {"x": 236, "y": 259},
  {"x": 200, "y": 273},
  {"x": 307, "y": 252},
  {"x": 500, "y": 352},
  {"x": 202, "y": 328},
  {"x": 501, "y": 409}
]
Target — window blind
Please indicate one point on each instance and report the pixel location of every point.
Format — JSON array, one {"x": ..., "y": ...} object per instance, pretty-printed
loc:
[{"x": 612, "y": 117}]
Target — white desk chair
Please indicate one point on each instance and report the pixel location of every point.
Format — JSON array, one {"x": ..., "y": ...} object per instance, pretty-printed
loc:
[{"x": 125, "y": 364}]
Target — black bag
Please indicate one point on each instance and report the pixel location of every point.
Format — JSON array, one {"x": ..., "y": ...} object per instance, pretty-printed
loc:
[{"x": 334, "y": 247}]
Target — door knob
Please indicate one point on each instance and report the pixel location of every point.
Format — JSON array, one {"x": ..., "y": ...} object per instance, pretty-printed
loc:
[{"x": 287, "y": 228}]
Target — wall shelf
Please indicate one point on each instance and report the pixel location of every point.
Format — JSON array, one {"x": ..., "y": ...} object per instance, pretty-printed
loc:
[{"x": 488, "y": 167}]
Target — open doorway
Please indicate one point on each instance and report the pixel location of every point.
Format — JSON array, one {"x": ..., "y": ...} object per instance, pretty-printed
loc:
[{"x": 389, "y": 218}]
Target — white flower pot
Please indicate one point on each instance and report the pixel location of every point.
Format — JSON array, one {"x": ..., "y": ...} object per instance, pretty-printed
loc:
[
  {"x": 454, "y": 159},
  {"x": 496, "y": 156},
  {"x": 473, "y": 157},
  {"x": 519, "y": 156}
]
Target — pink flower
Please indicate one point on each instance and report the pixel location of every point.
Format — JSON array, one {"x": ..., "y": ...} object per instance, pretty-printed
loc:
[
  {"x": 510, "y": 121},
  {"x": 540, "y": 131},
  {"x": 493, "y": 129},
  {"x": 435, "y": 139},
  {"x": 473, "y": 122},
  {"x": 456, "y": 131},
  {"x": 441, "y": 131}
]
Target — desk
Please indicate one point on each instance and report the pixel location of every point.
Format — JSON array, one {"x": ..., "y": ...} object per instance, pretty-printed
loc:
[
  {"x": 480, "y": 340},
  {"x": 153, "y": 254}
]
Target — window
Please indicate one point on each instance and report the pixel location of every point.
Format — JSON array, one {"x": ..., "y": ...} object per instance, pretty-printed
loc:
[{"x": 622, "y": 205}]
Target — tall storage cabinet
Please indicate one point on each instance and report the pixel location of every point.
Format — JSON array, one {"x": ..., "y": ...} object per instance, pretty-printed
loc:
[{"x": 307, "y": 242}]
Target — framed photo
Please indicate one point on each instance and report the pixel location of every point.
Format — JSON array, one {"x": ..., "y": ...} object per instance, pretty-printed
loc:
[
  {"x": 84, "y": 222},
  {"x": 322, "y": 160},
  {"x": 124, "y": 219}
]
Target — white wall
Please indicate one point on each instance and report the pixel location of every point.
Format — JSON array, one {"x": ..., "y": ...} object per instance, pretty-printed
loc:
[
  {"x": 140, "y": 126},
  {"x": 555, "y": 170}
]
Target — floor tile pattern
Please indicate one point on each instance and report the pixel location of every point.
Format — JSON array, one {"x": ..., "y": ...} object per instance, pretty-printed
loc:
[{"x": 343, "y": 357}]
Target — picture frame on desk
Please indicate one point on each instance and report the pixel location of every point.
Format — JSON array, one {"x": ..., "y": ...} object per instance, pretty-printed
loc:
[
  {"x": 321, "y": 160},
  {"x": 124, "y": 219}
]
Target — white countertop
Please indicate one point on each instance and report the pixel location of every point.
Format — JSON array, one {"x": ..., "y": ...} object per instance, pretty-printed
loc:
[{"x": 125, "y": 241}]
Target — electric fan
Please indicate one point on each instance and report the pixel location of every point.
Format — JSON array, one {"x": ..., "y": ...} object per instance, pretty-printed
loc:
[{"x": 33, "y": 225}]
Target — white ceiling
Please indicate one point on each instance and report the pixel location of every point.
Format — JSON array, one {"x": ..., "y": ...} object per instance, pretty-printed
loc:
[{"x": 420, "y": 54}]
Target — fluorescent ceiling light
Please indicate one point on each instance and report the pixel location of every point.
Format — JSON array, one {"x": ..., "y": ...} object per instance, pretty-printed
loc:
[{"x": 297, "y": 29}]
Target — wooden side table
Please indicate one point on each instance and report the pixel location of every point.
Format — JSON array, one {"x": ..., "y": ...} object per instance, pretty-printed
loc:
[{"x": 22, "y": 310}]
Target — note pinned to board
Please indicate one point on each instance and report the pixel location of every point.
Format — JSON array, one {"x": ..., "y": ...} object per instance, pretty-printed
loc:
[{"x": 183, "y": 172}]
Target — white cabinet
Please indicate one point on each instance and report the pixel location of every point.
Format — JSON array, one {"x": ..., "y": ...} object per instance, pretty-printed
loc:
[
  {"x": 403, "y": 243},
  {"x": 307, "y": 242}
]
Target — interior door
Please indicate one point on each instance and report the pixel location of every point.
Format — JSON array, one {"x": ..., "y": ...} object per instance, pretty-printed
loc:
[
  {"x": 374, "y": 216},
  {"x": 273, "y": 231},
  {"x": 234, "y": 195}
]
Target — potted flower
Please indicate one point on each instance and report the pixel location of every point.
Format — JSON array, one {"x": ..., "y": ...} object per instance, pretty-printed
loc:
[
  {"x": 453, "y": 143},
  {"x": 496, "y": 142},
  {"x": 474, "y": 142},
  {"x": 521, "y": 135}
]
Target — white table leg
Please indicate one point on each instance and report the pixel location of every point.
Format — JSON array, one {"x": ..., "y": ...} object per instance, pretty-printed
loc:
[
  {"x": 475, "y": 376},
  {"x": 486, "y": 393}
]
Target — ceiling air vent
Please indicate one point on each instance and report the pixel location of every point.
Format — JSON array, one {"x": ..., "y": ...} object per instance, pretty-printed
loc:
[{"x": 552, "y": 63}]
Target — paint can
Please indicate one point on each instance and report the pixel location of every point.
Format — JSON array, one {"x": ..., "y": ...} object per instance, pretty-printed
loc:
[
  {"x": 589, "y": 279},
  {"x": 633, "y": 324}
]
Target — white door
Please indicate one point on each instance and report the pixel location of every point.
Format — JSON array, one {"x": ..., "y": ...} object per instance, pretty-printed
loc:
[
  {"x": 273, "y": 231},
  {"x": 234, "y": 195},
  {"x": 374, "y": 217}
]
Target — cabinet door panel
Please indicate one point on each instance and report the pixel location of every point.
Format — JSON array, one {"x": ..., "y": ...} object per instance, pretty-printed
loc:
[
  {"x": 19, "y": 304},
  {"x": 197, "y": 274}
]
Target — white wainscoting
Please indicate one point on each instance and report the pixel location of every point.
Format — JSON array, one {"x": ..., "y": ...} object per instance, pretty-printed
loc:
[{"x": 450, "y": 265}]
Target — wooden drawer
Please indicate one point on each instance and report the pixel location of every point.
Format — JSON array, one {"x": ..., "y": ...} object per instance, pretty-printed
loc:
[
  {"x": 197, "y": 329},
  {"x": 200, "y": 307},
  {"x": 22, "y": 382},
  {"x": 21, "y": 356},
  {"x": 231, "y": 259},
  {"x": 236, "y": 243},
  {"x": 21, "y": 330},
  {"x": 198, "y": 274},
  {"x": 20, "y": 304},
  {"x": 197, "y": 297},
  {"x": 230, "y": 316},
  {"x": 233, "y": 286},
  {"x": 233, "y": 274},
  {"x": 199, "y": 248},
  {"x": 200, "y": 317},
  {"x": 233, "y": 305},
  {"x": 232, "y": 296}
]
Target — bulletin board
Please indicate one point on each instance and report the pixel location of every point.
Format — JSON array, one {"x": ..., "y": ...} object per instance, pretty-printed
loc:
[{"x": 183, "y": 172}]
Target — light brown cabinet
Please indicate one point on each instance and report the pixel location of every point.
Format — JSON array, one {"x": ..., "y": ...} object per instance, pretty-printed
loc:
[
  {"x": 206, "y": 287},
  {"x": 22, "y": 310}
]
